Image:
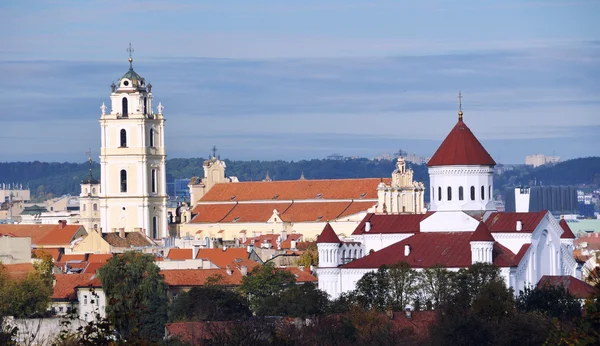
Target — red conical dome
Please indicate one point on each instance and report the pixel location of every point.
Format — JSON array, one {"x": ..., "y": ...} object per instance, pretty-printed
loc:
[
  {"x": 461, "y": 147},
  {"x": 328, "y": 235}
]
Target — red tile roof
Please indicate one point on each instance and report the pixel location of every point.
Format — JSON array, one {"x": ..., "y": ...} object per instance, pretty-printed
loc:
[
  {"x": 262, "y": 239},
  {"x": 295, "y": 190},
  {"x": 18, "y": 271},
  {"x": 503, "y": 222},
  {"x": 567, "y": 233},
  {"x": 288, "y": 211},
  {"x": 179, "y": 254},
  {"x": 482, "y": 233},
  {"x": 575, "y": 286},
  {"x": 54, "y": 252},
  {"x": 447, "y": 249},
  {"x": 592, "y": 242},
  {"x": 328, "y": 235},
  {"x": 287, "y": 244},
  {"x": 35, "y": 232},
  {"x": 72, "y": 257},
  {"x": 391, "y": 223},
  {"x": 61, "y": 235},
  {"x": 234, "y": 257},
  {"x": 302, "y": 276},
  {"x": 64, "y": 289},
  {"x": 461, "y": 147},
  {"x": 92, "y": 267},
  {"x": 99, "y": 258},
  {"x": 198, "y": 277}
]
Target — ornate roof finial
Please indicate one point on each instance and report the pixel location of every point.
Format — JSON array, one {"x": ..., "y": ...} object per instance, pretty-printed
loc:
[
  {"x": 460, "y": 112},
  {"x": 302, "y": 176},
  {"x": 130, "y": 50},
  {"x": 89, "y": 155},
  {"x": 267, "y": 177},
  {"x": 214, "y": 152}
]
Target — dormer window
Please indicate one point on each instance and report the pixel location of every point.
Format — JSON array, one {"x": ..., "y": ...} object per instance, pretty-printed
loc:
[
  {"x": 363, "y": 195},
  {"x": 319, "y": 195}
]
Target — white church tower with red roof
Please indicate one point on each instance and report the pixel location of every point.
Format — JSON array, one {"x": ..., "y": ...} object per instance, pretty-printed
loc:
[
  {"x": 132, "y": 160},
  {"x": 461, "y": 173}
]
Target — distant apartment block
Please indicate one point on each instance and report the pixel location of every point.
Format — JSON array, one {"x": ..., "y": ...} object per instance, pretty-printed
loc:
[
  {"x": 14, "y": 192},
  {"x": 540, "y": 160}
]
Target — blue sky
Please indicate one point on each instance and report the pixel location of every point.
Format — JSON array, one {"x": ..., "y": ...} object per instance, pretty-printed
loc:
[{"x": 303, "y": 79}]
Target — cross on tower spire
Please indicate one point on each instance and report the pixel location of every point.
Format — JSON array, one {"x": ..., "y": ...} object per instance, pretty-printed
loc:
[
  {"x": 130, "y": 50},
  {"x": 214, "y": 150},
  {"x": 89, "y": 155},
  {"x": 460, "y": 112}
]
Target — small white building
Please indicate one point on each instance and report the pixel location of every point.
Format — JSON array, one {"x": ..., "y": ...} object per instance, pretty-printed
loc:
[{"x": 462, "y": 227}]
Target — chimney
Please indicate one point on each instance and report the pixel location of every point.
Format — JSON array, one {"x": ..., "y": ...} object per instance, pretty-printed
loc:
[
  {"x": 250, "y": 248},
  {"x": 244, "y": 270},
  {"x": 62, "y": 223},
  {"x": 283, "y": 235},
  {"x": 368, "y": 226},
  {"x": 195, "y": 250},
  {"x": 122, "y": 232},
  {"x": 224, "y": 248},
  {"x": 519, "y": 225},
  {"x": 293, "y": 244},
  {"x": 406, "y": 249},
  {"x": 228, "y": 270}
]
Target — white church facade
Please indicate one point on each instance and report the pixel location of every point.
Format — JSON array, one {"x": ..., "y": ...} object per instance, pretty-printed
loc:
[
  {"x": 131, "y": 194},
  {"x": 460, "y": 228}
]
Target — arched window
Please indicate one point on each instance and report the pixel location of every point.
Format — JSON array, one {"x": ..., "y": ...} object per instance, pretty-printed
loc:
[
  {"x": 85, "y": 191},
  {"x": 343, "y": 254},
  {"x": 472, "y": 193},
  {"x": 123, "y": 138},
  {"x": 482, "y": 192},
  {"x": 94, "y": 190},
  {"x": 123, "y": 180},
  {"x": 124, "y": 105},
  {"x": 95, "y": 226},
  {"x": 145, "y": 105},
  {"x": 84, "y": 207},
  {"x": 152, "y": 138},
  {"x": 449, "y": 193},
  {"x": 95, "y": 207},
  {"x": 154, "y": 181},
  {"x": 460, "y": 193},
  {"x": 154, "y": 228},
  {"x": 439, "y": 193}
]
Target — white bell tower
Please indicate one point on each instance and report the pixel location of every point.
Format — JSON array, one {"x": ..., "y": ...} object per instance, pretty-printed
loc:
[{"x": 133, "y": 193}]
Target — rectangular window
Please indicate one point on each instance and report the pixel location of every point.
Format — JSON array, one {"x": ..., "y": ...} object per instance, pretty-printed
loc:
[{"x": 84, "y": 300}]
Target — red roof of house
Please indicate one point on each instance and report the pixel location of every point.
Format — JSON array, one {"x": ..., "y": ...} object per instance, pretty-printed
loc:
[
  {"x": 391, "y": 223},
  {"x": 54, "y": 252},
  {"x": 60, "y": 235},
  {"x": 179, "y": 254},
  {"x": 447, "y": 249},
  {"x": 503, "y": 222},
  {"x": 35, "y": 232},
  {"x": 198, "y": 277},
  {"x": 287, "y": 244},
  {"x": 99, "y": 258},
  {"x": 576, "y": 287},
  {"x": 295, "y": 190},
  {"x": 18, "y": 271},
  {"x": 288, "y": 211},
  {"x": 461, "y": 147},
  {"x": 592, "y": 242},
  {"x": 567, "y": 233},
  {"x": 92, "y": 267},
  {"x": 482, "y": 233},
  {"x": 328, "y": 235},
  {"x": 234, "y": 257},
  {"x": 302, "y": 275},
  {"x": 262, "y": 239},
  {"x": 64, "y": 289},
  {"x": 72, "y": 257}
]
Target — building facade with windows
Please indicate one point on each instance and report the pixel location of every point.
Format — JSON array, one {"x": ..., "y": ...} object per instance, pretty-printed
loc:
[{"x": 133, "y": 194}]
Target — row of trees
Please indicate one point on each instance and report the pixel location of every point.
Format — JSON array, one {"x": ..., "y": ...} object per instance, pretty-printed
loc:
[{"x": 57, "y": 179}]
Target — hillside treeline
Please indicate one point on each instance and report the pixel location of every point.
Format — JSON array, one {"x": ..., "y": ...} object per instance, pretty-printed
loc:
[{"x": 58, "y": 178}]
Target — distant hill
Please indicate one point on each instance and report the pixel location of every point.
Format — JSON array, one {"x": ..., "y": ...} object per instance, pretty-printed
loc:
[{"x": 47, "y": 179}]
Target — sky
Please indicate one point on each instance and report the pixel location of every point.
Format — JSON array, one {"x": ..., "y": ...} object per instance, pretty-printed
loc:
[{"x": 297, "y": 80}]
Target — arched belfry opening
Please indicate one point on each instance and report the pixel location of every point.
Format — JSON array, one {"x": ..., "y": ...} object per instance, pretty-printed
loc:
[
  {"x": 123, "y": 137},
  {"x": 145, "y": 105},
  {"x": 154, "y": 228},
  {"x": 124, "y": 106}
]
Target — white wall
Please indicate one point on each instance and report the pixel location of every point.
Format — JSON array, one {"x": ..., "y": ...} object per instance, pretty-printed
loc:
[{"x": 87, "y": 309}]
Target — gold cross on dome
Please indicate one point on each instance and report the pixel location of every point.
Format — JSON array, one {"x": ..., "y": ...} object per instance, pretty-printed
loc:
[
  {"x": 460, "y": 112},
  {"x": 130, "y": 50}
]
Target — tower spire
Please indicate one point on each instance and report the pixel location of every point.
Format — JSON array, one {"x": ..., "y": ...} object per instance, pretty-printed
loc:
[
  {"x": 460, "y": 112},
  {"x": 89, "y": 155},
  {"x": 130, "y": 50}
]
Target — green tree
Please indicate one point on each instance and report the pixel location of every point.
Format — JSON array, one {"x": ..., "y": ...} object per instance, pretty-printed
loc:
[
  {"x": 302, "y": 301},
  {"x": 209, "y": 303},
  {"x": 309, "y": 257},
  {"x": 136, "y": 295},
  {"x": 403, "y": 285},
  {"x": 551, "y": 300},
  {"x": 264, "y": 286},
  {"x": 372, "y": 290},
  {"x": 435, "y": 285}
]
